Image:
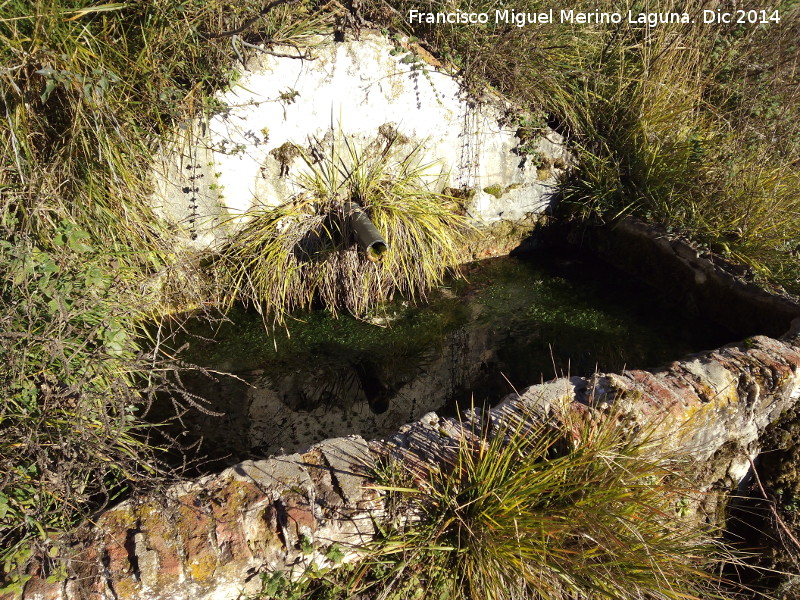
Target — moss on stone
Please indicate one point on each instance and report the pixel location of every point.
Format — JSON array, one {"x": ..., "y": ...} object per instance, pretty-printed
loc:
[
  {"x": 461, "y": 193},
  {"x": 500, "y": 237},
  {"x": 119, "y": 518},
  {"x": 237, "y": 496},
  {"x": 495, "y": 190},
  {"x": 201, "y": 568},
  {"x": 126, "y": 589}
]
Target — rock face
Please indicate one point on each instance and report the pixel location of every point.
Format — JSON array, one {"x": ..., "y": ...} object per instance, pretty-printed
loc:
[
  {"x": 211, "y": 538},
  {"x": 293, "y": 105}
]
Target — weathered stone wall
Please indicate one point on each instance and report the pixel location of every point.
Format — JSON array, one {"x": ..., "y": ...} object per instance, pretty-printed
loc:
[
  {"x": 211, "y": 538},
  {"x": 337, "y": 97},
  {"x": 698, "y": 281}
]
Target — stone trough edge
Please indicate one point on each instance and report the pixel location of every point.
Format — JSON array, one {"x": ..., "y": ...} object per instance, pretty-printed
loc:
[{"x": 211, "y": 538}]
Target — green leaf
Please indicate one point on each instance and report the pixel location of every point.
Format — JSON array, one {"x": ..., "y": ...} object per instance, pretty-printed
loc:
[
  {"x": 48, "y": 265},
  {"x": 17, "y": 584},
  {"x": 335, "y": 554},
  {"x": 115, "y": 338},
  {"x": 35, "y": 523},
  {"x": 48, "y": 89},
  {"x": 76, "y": 241},
  {"x": 52, "y": 306},
  {"x": 95, "y": 277}
]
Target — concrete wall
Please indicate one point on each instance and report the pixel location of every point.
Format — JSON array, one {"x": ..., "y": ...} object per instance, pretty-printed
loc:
[{"x": 216, "y": 169}]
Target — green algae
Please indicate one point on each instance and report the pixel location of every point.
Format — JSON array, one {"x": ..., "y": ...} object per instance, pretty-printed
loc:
[
  {"x": 558, "y": 316},
  {"x": 508, "y": 324},
  {"x": 550, "y": 317},
  {"x": 403, "y": 329},
  {"x": 495, "y": 190}
]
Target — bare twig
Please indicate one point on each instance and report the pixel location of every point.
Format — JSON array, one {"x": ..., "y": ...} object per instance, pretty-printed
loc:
[
  {"x": 784, "y": 527},
  {"x": 238, "y": 40},
  {"x": 250, "y": 22}
]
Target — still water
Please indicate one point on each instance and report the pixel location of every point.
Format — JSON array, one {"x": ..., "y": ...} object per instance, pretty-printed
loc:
[{"x": 508, "y": 324}]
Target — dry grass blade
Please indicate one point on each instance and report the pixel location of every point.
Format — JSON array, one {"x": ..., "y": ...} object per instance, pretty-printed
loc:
[{"x": 86, "y": 89}]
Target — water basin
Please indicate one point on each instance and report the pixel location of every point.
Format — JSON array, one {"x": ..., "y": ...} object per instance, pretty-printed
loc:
[{"x": 511, "y": 323}]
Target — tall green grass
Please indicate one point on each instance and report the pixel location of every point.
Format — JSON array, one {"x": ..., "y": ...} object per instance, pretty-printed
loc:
[
  {"x": 70, "y": 434},
  {"x": 89, "y": 87},
  {"x": 86, "y": 91},
  {"x": 694, "y": 126},
  {"x": 580, "y": 509},
  {"x": 527, "y": 513}
]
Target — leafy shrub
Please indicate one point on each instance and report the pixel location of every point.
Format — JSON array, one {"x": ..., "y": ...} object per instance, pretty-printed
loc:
[{"x": 69, "y": 428}]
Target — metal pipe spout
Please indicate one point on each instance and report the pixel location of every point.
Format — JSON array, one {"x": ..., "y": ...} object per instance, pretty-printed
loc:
[{"x": 367, "y": 235}]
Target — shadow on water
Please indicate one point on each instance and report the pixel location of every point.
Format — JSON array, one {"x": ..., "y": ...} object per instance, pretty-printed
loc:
[{"x": 510, "y": 324}]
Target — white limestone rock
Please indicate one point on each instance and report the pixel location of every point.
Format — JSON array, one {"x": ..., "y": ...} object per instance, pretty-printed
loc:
[{"x": 214, "y": 171}]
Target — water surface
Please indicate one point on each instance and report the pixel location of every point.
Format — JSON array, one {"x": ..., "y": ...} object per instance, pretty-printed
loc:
[{"x": 509, "y": 324}]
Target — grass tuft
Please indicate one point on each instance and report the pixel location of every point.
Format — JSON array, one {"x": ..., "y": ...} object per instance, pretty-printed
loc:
[
  {"x": 581, "y": 510},
  {"x": 526, "y": 513},
  {"x": 303, "y": 253}
]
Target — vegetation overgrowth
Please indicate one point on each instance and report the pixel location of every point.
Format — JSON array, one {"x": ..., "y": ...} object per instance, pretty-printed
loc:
[
  {"x": 302, "y": 253},
  {"x": 86, "y": 91},
  {"x": 695, "y": 126},
  {"x": 692, "y": 125},
  {"x": 580, "y": 508}
]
